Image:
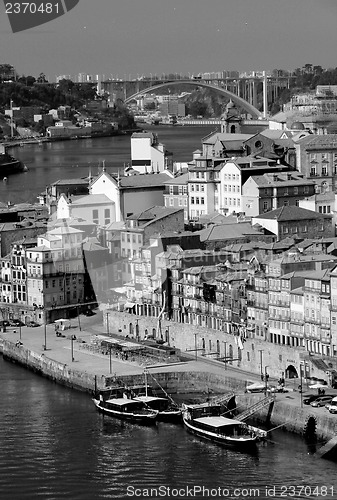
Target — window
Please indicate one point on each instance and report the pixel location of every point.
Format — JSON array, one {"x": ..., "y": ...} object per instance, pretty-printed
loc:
[
  {"x": 95, "y": 216},
  {"x": 192, "y": 200},
  {"x": 192, "y": 187},
  {"x": 202, "y": 201},
  {"x": 107, "y": 216}
]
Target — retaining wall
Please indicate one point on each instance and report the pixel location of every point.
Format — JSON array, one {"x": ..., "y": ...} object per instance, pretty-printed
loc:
[
  {"x": 275, "y": 358},
  {"x": 295, "y": 418}
]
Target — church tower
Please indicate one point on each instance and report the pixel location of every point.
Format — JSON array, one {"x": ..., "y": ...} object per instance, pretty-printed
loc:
[{"x": 231, "y": 119}]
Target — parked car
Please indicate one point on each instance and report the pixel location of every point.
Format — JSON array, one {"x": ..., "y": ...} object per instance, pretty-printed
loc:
[
  {"x": 321, "y": 401},
  {"x": 17, "y": 322},
  {"x": 307, "y": 400},
  {"x": 33, "y": 324},
  {"x": 332, "y": 405},
  {"x": 4, "y": 322}
]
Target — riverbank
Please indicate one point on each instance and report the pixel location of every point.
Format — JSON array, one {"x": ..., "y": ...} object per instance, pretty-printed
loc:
[
  {"x": 67, "y": 362},
  {"x": 19, "y": 142}
]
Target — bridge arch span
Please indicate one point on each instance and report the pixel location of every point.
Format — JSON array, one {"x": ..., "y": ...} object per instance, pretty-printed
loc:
[{"x": 254, "y": 112}]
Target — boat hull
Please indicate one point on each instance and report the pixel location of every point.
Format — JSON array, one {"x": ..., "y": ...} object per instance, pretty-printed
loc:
[
  {"x": 9, "y": 165},
  {"x": 174, "y": 416},
  {"x": 143, "y": 418},
  {"x": 241, "y": 443}
]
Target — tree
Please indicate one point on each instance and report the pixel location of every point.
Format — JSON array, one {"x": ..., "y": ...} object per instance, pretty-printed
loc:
[{"x": 42, "y": 78}]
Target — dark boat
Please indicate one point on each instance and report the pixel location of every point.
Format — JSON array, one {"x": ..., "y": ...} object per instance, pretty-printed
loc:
[
  {"x": 206, "y": 421},
  {"x": 127, "y": 409},
  {"x": 9, "y": 164},
  {"x": 167, "y": 410}
]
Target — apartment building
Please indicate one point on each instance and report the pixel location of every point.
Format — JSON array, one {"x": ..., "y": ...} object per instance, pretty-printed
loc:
[
  {"x": 55, "y": 273},
  {"x": 316, "y": 159},
  {"x": 262, "y": 193},
  {"x": 176, "y": 193}
]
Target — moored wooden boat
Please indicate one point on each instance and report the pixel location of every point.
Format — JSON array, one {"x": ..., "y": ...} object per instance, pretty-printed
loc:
[
  {"x": 167, "y": 411},
  {"x": 127, "y": 409},
  {"x": 205, "y": 421}
]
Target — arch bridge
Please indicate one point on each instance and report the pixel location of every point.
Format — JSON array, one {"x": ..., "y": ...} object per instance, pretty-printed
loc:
[{"x": 252, "y": 110}]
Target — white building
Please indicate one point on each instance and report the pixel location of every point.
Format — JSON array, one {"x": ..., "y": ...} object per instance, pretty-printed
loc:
[{"x": 148, "y": 154}]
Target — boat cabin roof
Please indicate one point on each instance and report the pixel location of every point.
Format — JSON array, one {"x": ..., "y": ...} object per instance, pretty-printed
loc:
[
  {"x": 122, "y": 401},
  {"x": 217, "y": 421},
  {"x": 148, "y": 399},
  {"x": 202, "y": 405}
]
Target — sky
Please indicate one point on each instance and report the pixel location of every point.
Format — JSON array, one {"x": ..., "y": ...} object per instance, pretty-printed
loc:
[{"x": 135, "y": 37}]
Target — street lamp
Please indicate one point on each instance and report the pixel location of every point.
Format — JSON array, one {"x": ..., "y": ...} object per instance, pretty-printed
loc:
[
  {"x": 261, "y": 361},
  {"x": 45, "y": 337},
  {"x": 110, "y": 363},
  {"x": 107, "y": 323},
  {"x": 301, "y": 385},
  {"x": 78, "y": 317},
  {"x": 195, "y": 346},
  {"x": 225, "y": 353},
  {"x": 72, "y": 347},
  {"x": 266, "y": 376}
]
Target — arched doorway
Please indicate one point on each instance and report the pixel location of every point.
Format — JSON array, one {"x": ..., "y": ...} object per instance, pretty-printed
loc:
[{"x": 291, "y": 372}]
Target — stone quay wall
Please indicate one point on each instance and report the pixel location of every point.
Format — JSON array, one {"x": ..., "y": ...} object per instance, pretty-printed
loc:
[
  {"x": 289, "y": 417},
  {"x": 43, "y": 365},
  {"x": 275, "y": 358}
]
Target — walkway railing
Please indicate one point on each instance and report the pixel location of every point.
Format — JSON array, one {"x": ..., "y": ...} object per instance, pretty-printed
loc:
[{"x": 255, "y": 407}]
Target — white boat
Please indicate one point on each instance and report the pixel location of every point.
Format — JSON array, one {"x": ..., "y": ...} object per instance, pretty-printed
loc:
[{"x": 205, "y": 421}]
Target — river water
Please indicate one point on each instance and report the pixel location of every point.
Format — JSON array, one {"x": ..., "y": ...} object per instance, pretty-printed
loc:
[
  {"x": 54, "y": 444},
  {"x": 51, "y": 161}
]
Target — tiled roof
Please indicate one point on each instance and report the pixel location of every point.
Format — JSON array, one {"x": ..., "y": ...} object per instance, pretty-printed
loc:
[
  {"x": 227, "y": 231},
  {"x": 280, "y": 179},
  {"x": 223, "y": 137},
  {"x": 71, "y": 181},
  {"x": 91, "y": 199},
  {"x": 313, "y": 140},
  {"x": 291, "y": 213},
  {"x": 180, "y": 179},
  {"x": 142, "y": 181}
]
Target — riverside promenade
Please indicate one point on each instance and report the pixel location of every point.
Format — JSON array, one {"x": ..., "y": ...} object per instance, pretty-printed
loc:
[
  {"x": 75, "y": 364},
  {"x": 75, "y": 355}
]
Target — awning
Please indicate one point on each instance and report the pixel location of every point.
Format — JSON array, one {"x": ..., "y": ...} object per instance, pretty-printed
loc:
[{"x": 129, "y": 305}]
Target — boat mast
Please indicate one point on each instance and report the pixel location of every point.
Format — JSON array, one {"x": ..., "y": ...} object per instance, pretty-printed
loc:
[
  {"x": 11, "y": 108},
  {"x": 145, "y": 376}
]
